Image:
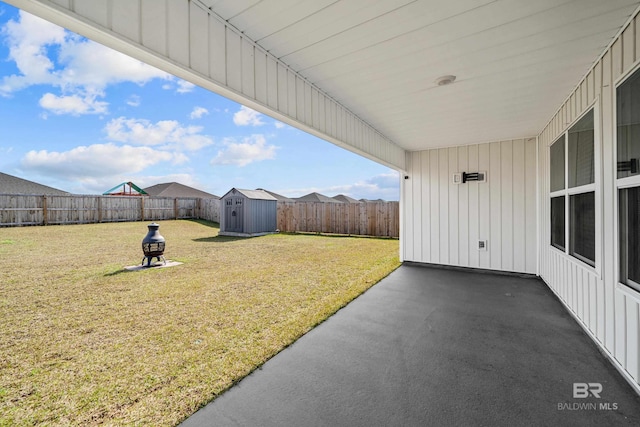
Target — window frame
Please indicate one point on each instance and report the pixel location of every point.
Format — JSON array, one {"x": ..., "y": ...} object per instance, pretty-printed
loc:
[
  {"x": 621, "y": 183},
  {"x": 632, "y": 283},
  {"x": 561, "y": 249},
  {"x": 594, "y": 187}
]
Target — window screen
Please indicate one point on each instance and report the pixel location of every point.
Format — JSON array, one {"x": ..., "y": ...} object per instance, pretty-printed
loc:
[
  {"x": 582, "y": 228},
  {"x": 629, "y": 211},
  {"x": 557, "y": 222},
  {"x": 557, "y": 165}
]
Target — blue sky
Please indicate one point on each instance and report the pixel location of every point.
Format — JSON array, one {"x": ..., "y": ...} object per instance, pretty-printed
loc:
[{"x": 83, "y": 118}]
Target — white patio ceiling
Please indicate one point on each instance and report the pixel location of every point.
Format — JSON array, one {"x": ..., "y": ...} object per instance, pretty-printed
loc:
[{"x": 515, "y": 60}]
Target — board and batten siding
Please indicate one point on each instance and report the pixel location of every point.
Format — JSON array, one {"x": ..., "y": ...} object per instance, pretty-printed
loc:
[
  {"x": 443, "y": 222},
  {"x": 184, "y": 38},
  {"x": 607, "y": 310},
  {"x": 260, "y": 215}
]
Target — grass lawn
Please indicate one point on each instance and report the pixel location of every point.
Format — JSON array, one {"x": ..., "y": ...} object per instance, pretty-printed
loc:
[{"x": 83, "y": 342}]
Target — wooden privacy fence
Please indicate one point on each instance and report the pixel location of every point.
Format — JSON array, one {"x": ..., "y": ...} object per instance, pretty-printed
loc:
[
  {"x": 19, "y": 209},
  {"x": 365, "y": 218}
]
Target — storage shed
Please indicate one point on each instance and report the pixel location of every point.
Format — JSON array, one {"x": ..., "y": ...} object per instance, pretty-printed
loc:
[{"x": 248, "y": 213}]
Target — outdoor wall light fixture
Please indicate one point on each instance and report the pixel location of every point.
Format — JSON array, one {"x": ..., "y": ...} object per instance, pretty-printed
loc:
[
  {"x": 445, "y": 80},
  {"x": 464, "y": 177},
  {"x": 472, "y": 176}
]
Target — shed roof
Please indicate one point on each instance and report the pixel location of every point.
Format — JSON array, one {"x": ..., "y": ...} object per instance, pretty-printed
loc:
[
  {"x": 251, "y": 194},
  {"x": 317, "y": 197},
  {"x": 175, "y": 189},
  {"x": 280, "y": 197},
  {"x": 10, "y": 184}
]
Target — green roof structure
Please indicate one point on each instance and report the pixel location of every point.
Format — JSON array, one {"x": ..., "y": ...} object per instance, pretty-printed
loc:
[{"x": 128, "y": 189}]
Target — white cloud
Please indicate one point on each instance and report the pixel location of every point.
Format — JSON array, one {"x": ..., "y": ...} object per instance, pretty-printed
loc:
[
  {"x": 80, "y": 63},
  {"x": 386, "y": 180},
  {"x": 168, "y": 134},
  {"x": 72, "y": 104},
  {"x": 279, "y": 125},
  {"x": 28, "y": 41},
  {"x": 252, "y": 149},
  {"x": 198, "y": 112},
  {"x": 46, "y": 54},
  {"x": 95, "y": 66},
  {"x": 247, "y": 117},
  {"x": 133, "y": 101},
  {"x": 96, "y": 161},
  {"x": 184, "y": 86}
]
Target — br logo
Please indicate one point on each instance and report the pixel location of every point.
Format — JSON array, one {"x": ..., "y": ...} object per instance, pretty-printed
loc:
[{"x": 584, "y": 390}]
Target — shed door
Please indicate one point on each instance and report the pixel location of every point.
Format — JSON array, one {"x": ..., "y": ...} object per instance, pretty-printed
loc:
[{"x": 234, "y": 214}]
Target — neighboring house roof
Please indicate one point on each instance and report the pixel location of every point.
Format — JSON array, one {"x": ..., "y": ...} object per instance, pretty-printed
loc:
[
  {"x": 251, "y": 194},
  {"x": 128, "y": 189},
  {"x": 175, "y": 189},
  {"x": 317, "y": 197},
  {"x": 372, "y": 201},
  {"x": 346, "y": 199},
  {"x": 280, "y": 197},
  {"x": 10, "y": 184}
]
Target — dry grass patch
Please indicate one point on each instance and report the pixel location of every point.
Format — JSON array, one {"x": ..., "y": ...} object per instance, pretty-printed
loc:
[{"x": 84, "y": 343}]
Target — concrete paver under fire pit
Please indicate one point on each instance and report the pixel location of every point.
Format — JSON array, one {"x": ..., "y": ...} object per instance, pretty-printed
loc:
[{"x": 431, "y": 346}]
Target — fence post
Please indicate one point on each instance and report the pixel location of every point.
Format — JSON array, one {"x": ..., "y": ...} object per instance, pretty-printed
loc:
[
  {"x": 99, "y": 208},
  {"x": 175, "y": 208},
  {"x": 44, "y": 210},
  {"x": 141, "y": 208}
]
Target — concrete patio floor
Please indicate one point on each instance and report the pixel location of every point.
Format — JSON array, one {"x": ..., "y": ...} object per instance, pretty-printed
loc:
[{"x": 435, "y": 347}]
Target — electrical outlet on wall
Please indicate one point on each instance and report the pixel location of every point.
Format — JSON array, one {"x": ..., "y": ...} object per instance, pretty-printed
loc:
[
  {"x": 457, "y": 178},
  {"x": 483, "y": 245}
]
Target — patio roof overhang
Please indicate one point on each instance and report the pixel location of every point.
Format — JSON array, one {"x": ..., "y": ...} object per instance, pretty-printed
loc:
[{"x": 364, "y": 74}]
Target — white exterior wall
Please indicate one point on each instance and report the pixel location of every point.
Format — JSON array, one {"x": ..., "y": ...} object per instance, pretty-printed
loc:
[
  {"x": 443, "y": 222},
  {"x": 608, "y": 311},
  {"x": 183, "y": 38}
]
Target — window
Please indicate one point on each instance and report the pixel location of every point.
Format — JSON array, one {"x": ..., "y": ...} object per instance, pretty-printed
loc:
[
  {"x": 572, "y": 168},
  {"x": 581, "y": 160},
  {"x": 628, "y": 117},
  {"x": 557, "y": 165},
  {"x": 628, "y": 183},
  {"x": 629, "y": 211},
  {"x": 583, "y": 230},
  {"x": 557, "y": 222}
]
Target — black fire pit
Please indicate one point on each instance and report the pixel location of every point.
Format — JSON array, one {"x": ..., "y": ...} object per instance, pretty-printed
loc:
[{"x": 153, "y": 246}]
